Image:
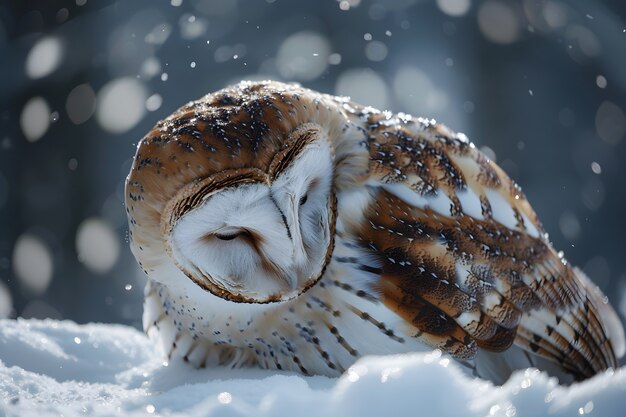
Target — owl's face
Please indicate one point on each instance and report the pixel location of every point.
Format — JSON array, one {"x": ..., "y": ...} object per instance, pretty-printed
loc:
[{"x": 256, "y": 237}]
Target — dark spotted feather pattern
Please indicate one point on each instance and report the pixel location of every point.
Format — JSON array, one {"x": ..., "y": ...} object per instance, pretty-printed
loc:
[
  {"x": 465, "y": 282},
  {"x": 429, "y": 244}
]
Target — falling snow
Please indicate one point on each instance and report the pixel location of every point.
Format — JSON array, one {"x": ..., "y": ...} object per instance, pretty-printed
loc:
[{"x": 84, "y": 97}]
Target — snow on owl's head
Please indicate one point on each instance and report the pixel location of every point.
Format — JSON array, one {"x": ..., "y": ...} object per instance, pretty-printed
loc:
[{"x": 244, "y": 210}]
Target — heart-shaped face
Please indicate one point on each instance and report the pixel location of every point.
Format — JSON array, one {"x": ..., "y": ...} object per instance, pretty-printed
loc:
[{"x": 252, "y": 236}]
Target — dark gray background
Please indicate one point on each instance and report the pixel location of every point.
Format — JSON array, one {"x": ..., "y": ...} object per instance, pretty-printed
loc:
[{"x": 540, "y": 84}]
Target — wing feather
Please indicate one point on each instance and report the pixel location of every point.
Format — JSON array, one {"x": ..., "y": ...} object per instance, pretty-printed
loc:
[{"x": 467, "y": 279}]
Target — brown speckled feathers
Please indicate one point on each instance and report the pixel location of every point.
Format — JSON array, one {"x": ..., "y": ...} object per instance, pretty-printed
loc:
[
  {"x": 462, "y": 283},
  {"x": 435, "y": 240}
]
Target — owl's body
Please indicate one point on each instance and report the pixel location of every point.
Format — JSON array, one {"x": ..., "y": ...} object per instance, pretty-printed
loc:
[{"x": 288, "y": 229}]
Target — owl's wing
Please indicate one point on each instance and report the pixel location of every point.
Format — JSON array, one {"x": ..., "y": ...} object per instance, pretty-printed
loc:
[{"x": 465, "y": 261}]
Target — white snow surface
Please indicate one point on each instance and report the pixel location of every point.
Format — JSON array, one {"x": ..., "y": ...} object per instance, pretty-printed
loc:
[{"x": 52, "y": 368}]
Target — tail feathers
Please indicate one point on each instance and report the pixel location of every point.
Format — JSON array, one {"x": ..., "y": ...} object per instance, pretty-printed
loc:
[
  {"x": 612, "y": 325},
  {"x": 498, "y": 366},
  {"x": 574, "y": 341}
]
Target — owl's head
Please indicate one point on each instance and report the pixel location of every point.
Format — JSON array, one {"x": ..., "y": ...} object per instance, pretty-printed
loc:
[
  {"x": 234, "y": 194},
  {"x": 253, "y": 236}
]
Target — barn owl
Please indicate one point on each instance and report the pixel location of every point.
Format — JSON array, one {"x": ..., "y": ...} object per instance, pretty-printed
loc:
[{"x": 286, "y": 229}]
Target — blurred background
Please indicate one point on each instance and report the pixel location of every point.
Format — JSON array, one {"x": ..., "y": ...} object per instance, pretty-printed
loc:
[{"x": 539, "y": 85}]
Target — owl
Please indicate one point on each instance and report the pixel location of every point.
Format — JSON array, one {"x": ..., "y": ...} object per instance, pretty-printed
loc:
[{"x": 286, "y": 229}]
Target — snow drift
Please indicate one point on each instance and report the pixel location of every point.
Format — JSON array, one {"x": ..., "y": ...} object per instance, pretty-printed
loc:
[{"x": 61, "y": 368}]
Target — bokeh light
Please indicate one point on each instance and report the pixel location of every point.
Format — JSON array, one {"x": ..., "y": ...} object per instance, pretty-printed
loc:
[
  {"x": 154, "y": 102},
  {"x": 35, "y": 118},
  {"x": 303, "y": 56},
  {"x": 81, "y": 103},
  {"x": 498, "y": 22},
  {"x": 150, "y": 67},
  {"x": 363, "y": 85},
  {"x": 454, "y": 7},
  {"x": 192, "y": 27},
  {"x": 120, "y": 105},
  {"x": 376, "y": 51},
  {"x": 32, "y": 263},
  {"x": 159, "y": 34},
  {"x": 44, "y": 57},
  {"x": 417, "y": 92},
  {"x": 97, "y": 245}
]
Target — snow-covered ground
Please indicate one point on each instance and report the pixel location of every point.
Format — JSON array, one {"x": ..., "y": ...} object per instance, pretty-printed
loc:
[{"x": 61, "y": 368}]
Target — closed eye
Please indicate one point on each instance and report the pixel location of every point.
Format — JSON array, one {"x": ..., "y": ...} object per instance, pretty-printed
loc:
[
  {"x": 228, "y": 236},
  {"x": 233, "y": 235},
  {"x": 303, "y": 199}
]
